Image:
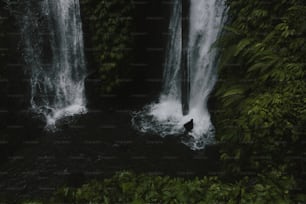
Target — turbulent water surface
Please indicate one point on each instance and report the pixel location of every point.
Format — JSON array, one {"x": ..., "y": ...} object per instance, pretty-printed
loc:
[
  {"x": 165, "y": 117},
  {"x": 52, "y": 38}
]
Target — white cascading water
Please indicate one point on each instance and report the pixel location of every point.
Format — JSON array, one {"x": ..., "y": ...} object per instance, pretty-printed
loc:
[
  {"x": 166, "y": 117},
  {"x": 54, "y": 54}
]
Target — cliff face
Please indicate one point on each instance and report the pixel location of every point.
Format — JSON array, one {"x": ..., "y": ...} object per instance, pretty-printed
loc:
[
  {"x": 8, "y": 33},
  {"x": 14, "y": 86},
  {"x": 125, "y": 43}
]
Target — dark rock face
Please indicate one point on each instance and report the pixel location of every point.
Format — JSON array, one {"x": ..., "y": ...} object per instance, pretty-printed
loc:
[{"x": 189, "y": 126}]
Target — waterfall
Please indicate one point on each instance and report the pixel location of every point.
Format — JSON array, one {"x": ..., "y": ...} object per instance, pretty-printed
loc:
[
  {"x": 53, "y": 50},
  {"x": 166, "y": 116}
]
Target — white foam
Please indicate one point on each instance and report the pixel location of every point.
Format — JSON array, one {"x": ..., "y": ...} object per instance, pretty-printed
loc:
[
  {"x": 57, "y": 78},
  {"x": 58, "y": 114}
]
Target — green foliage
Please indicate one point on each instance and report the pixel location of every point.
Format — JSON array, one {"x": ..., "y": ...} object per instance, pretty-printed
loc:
[
  {"x": 262, "y": 93},
  {"x": 126, "y": 187},
  {"x": 110, "y": 25}
]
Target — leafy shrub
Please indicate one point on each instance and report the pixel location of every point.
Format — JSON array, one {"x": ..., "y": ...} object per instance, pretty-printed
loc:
[
  {"x": 126, "y": 187},
  {"x": 110, "y": 27},
  {"x": 261, "y": 97}
]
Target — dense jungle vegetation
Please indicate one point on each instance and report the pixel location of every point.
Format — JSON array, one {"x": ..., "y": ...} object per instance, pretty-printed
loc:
[
  {"x": 129, "y": 188},
  {"x": 260, "y": 114},
  {"x": 262, "y": 92},
  {"x": 110, "y": 23}
]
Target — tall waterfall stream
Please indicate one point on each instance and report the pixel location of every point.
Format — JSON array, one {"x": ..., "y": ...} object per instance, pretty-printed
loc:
[
  {"x": 53, "y": 50},
  {"x": 166, "y": 116}
]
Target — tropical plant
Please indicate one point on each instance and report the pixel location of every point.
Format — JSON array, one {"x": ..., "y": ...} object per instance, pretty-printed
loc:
[
  {"x": 261, "y": 95},
  {"x": 110, "y": 25},
  {"x": 126, "y": 187}
]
